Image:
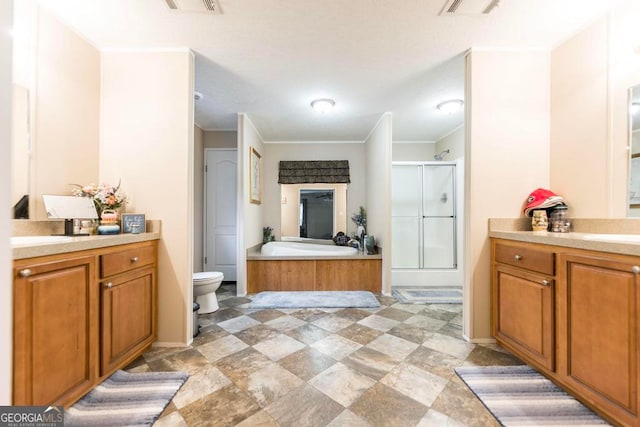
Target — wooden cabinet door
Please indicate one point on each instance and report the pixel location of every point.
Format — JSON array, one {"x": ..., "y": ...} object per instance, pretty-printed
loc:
[
  {"x": 128, "y": 311},
  {"x": 599, "y": 330},
  {"x": 55, "y": 329},
  {"x": 523, "y": 314}
]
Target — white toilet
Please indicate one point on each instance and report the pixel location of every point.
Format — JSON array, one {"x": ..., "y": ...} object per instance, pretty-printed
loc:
[{"x": 205, "y": 285}]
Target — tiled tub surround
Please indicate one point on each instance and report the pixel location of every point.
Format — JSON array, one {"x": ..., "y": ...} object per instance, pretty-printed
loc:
[{"x": 389, "y": 366}]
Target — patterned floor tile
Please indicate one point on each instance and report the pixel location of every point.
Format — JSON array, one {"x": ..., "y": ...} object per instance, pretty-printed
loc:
[
  {"x": 268, "y": 384},
  {"x": 238, "y": 324},
  {"x": 312, "y": 408},
  {"x": 255, "y": 334},
  {"x": 448, "y": 345},
  {"x": 411, "y": 308},
  {"x": 200, "y": 384},
  {"x": 370, "y": 362},
  {"x": 306, "y": 363},
  {"x": 425, "y": 322},
  {"x": 379, "y": 323},
  {"x": 415, "y": 383},
  {"x": 308, "y": 333},
  {"x": 411, "y": 333},
  {"x": 225, "y": 408},
  {"x": 342, "y": 384},
  {"x": 395, "y": 314},
  {"x": 438, "y": 419},
  {"x": 333, "y": 323},
  {"x": 459, "y": 403},
  {"x": 189, "y": 360},
  {"x": 309, "y": 314},
  {"x": 336, "y": 346},
  {"x": 266, "y": 315},
  {"x": 278, "y": 347},
  {"x": 171, "y": 420},
  {"x": 353, "y": 314},
  {"x": 348, "y": 419},
  {"x": 222, "y": 347},
  {"x": 483, "y": 356},
  {"x": 434, "y": 361},
  {"x": 242, "y": 363},
  {"x": 397, "y": 348},
  {"x": 383, "y": 406},
  {"x": 285, "y": 323},
  {"x": 360, "y": 333},
  {"x": 259, "y": 419}
]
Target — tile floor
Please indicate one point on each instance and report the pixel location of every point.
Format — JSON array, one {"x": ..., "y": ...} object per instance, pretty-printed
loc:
[{"x": 389, "y": 366}]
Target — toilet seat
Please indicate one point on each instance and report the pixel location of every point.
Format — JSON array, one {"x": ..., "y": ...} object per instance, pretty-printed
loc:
[{"x": 207, "y": 276}]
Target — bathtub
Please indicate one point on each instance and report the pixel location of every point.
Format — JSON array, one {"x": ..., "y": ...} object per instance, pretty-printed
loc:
[{"x": 305, "y": 249}]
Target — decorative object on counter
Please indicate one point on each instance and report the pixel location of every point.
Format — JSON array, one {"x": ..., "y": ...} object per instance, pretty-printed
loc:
[
  {"x": 267, "y": 236},
  {"x": 541, "y": 199},
  {"x": 133, "y": 223},
  {"x": 341, "y": 239},
  {"x": 108, "y": 222},
  {"x": 370, "y": 245},
  {"x": 360, "y": 219},
  {"x": 539, "y": 220},
  {"x": 558, "y": 221},
  {"x": 105, "y": 196}
]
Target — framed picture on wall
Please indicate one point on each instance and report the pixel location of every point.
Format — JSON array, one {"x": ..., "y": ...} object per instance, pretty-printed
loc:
[{"x": 255, "y": 180}]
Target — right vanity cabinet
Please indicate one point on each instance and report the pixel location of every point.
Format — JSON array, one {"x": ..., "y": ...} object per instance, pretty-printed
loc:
[{"x": 587, "y": 311}]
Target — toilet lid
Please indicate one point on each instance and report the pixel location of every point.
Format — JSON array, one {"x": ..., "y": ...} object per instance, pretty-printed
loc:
[{"x": 207, "y": 275}]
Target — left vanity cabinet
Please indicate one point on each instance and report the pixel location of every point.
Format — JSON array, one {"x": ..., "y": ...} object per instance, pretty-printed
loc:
[{"x": 79, "y": 316}]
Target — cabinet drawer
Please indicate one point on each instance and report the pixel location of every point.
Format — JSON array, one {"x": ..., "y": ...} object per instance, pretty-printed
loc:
[
  {"x": 119, "y": 262},
  {"x": 526, "y": 257}
]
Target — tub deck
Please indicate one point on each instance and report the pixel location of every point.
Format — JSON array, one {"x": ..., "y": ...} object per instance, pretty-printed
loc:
[{"x": 318, "y": 273}]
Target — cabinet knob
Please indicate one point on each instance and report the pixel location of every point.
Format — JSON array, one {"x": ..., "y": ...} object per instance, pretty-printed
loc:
[
  {"x": 518, "y": 257},
  {"x": 25, "y": 273},
  {"x": 545, "y": 283},
  {"x": 134, "y": 259},
  {"x": 108, "y": 285},
  {"x": 635, "y": 269}
]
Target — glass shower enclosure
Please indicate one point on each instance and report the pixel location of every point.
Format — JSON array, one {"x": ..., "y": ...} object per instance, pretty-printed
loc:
[{"x": 423, "y": 216}]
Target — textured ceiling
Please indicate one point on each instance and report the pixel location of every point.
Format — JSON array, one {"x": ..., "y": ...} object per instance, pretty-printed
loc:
[{"x": 270, "y": 58}]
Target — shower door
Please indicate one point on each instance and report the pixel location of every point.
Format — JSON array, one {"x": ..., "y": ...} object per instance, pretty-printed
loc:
[
  {"x": 438, "y": 217},
  {"x": 423, "y": 218}
]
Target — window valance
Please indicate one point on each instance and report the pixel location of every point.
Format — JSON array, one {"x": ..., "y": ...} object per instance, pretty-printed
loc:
[{"x": 314, "y": 171}]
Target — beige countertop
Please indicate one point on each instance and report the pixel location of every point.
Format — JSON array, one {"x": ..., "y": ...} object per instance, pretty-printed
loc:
[
  {"x": 603, "y": 230},
  {"x": 253, "y": 254},
  {"x": 80, "y": 243}
]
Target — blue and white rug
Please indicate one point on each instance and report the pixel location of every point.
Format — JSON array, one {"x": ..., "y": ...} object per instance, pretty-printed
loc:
[
  {"x": 126, "y": 399},
  {"x": 428, "y": 294},
  {"x": 314, "y": 299},
  {"x": 520, "y": 396}
]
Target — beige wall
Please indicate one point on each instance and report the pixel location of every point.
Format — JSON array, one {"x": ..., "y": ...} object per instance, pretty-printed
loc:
[
  {"x": 378, "y": 191},
  {"x": 67, "y": 112},
  {"x": 413, "y": 151},
  {"x": 353, "y": 152},
  {"x": 250, "y": 215},
  {"x": 579, "y": 122},
  {"x": 220, "y": 139},
  {"x": 19, "y": 143},
  {"x": 198, "y": 198},
  {"x": 6, "y": 294},
  {"x": 147, "y": 141},
  {"x": 454, "y": 142},
  {"x": 506, "y": 157}
]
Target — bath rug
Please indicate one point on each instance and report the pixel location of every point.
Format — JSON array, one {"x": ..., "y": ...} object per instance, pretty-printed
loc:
[
  {"x": 428, "y": 295},
  {"x": 126, "y": 399},
  {"x": 314, "y": 299},
  {"x": 520, "y": 396}
]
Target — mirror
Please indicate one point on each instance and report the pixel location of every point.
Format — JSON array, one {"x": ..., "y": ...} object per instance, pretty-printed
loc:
[
  {"x": 20, "y": 152},
  {"x": 312, "y": 211},
  {"x": 634, "y": 148}
]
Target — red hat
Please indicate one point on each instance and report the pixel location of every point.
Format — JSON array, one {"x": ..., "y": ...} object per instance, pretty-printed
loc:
[{"x": 541, "y": 199}]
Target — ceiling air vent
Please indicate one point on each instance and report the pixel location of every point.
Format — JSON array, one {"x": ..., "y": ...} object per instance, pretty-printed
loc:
[
  {"x": 203, "y": 6},
  {"x": 468, "y": 7}
]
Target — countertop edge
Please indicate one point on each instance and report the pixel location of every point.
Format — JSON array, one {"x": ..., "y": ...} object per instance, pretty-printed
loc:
[{"x": 80, "y": 244}]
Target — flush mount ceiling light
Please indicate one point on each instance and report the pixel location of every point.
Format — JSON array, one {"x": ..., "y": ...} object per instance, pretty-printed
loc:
[
  {"x": 323, "y": 105},
  {"x": 451, "y": 106},
  {"x": 634, "y": 108}
]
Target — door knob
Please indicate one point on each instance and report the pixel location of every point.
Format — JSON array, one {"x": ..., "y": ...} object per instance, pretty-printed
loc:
[
  {"x": 518, "y": 257},
  {"x": 108, "y": 285},
  {"x": 635, "y": 269},
  {"x": 545, "y": 283},
  {"x": 134, "y": 259},
  {"x": 25, "y": 273}
]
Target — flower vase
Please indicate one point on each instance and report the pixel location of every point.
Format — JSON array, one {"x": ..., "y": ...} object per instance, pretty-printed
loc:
[{"x": 108, "y": 222}]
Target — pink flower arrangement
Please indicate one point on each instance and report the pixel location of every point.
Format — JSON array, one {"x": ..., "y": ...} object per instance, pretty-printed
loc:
[{"x": 105, "y": 196}]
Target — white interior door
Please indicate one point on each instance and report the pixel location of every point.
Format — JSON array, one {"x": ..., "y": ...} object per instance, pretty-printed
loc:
[{"x": 220, "y": 212}]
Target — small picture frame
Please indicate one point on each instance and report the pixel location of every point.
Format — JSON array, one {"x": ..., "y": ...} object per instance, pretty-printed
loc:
[
  {"x": 133, "y": 223},
  {"x": 255, "y": 180}
]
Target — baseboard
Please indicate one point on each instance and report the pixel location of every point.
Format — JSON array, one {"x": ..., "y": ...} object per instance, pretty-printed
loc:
[
  {"x": 169, "y": 344},
  {"x": 481, "y": 340}
]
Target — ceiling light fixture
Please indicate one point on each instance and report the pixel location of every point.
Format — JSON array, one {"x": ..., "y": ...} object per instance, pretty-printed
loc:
[
  {"x": 634, "y": 108},
  {"x": 451, "y": 106},
  {"x": 323, "y": 105}
]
